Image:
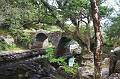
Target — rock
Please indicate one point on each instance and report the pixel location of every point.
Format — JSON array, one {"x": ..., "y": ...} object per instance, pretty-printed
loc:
[
  {"x": 105, "y": 68},
  {"x": 114, "y": 58},
  {"x": 114, "y": 76},
  {"x": 73, "y": 47},
  {"x": 88, "y": 59},
  {"x": 106, "y": 61},
  {"x": 86, "y": 72},
  {"x": 61, "y": 48},
  {"x": 116, "y": 49},
  {"x": 28, "y": 69},
  {"x": 45, "y": 43},
  {"x": 9, "y": 56},
  {"x": 55, "y": 37},
  {"x": 105, "y": 73},
  {"x": 117, "y": 67},
  {"x": 8, "y": 39},
  {"x": 36, "y": 45},
  {"x": 2, "y": 38},
  {"x": 35, "y": 76}
]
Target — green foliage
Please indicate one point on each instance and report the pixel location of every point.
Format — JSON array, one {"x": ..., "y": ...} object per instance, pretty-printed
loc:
[
  {"x": 51, "y": 57},
  {"x": 50, "y": 52},
  {"x": 71, "y": 70},
  {"x": 4, "y": 45},
  {"x": 22, "y": 38},
  {"x": 76, "y": 4},
  {"x": 103, "y": 10},
  {"x": 113, "y": 32},
  {"x": 72, "y": 7},
  {"x": 61, "y": 62},
  {"x": 28, "y": 13}
]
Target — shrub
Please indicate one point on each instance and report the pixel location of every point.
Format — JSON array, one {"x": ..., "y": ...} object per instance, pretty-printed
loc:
[
  {"x": 61, "y": 61},
  {"x": 71, "y": 70},
  {"x": 4, "y": 45},
  {"x": 23, "y": 39}
]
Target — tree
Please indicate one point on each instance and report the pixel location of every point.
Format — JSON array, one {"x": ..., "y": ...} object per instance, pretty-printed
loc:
[
  {"x": 31, "y": 12},
  {"x": 77, "y": 11},
  {"x": 98, "y": 38},
  {"x": 112, "y": 32}
]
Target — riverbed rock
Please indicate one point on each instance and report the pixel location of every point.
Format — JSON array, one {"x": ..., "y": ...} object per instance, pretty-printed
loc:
[
  {"x": 114, "y": 76},
  {"x": 7, "y": 39},
  {"x": 28, "y": 69},
  {"x": 86, "y": 72},
  {"x": 114, "y": 61},
  {"x": 117, "y": 67}
]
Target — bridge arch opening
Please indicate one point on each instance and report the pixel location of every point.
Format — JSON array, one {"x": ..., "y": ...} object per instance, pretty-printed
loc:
[{"x": 41, "y": 37}]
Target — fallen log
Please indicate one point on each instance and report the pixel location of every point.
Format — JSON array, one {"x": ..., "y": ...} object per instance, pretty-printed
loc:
[{"x": 4, "y": 58}]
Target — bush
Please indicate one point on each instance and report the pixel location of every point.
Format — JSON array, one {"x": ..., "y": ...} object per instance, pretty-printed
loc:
[
  {"x": 51, "y": 57},
  {"x": 71, "y": 70},
  {"x": 4, "y": 45},
  {"x": 23, "y": 39},
  {"x": 61, "y": 62}
]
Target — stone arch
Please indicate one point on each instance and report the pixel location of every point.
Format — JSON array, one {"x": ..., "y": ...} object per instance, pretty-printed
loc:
[
  {"x": 61, "y": 50},
  {"x": 40, "y": 40},
  {"x": 68, "y": 48},
  {"x": 54, "y": 38},
  {"x": 41, "y": 37}
]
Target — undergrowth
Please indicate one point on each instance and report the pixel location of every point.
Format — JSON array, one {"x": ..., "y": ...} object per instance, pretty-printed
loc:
[{"x": 61, "y": 61}]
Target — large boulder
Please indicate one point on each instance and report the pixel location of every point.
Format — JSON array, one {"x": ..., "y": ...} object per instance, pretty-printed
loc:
[
  {"x": 114, "y": 76},
  {"x": 114, "y": 61},
  {"x": 73, "y": 47},
  {"x": 28, "y": 69},
  {"x": 7, "y": 39},
  {"x": 117, "y": 67},
  {"x": 86, "y": 73}
]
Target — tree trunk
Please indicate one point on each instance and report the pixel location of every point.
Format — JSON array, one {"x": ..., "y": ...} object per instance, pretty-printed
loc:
[{"x": 98, "y": 38}]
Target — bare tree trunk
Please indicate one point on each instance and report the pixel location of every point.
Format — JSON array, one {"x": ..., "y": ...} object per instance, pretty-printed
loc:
[{"x": 98, "y": 38}]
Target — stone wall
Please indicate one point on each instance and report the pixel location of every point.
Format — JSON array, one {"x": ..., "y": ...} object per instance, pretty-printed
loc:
[{"x": 43, "y": 39}]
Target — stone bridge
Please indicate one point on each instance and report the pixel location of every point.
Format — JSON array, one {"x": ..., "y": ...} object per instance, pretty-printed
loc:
[{"x": 42, "y": 38}]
